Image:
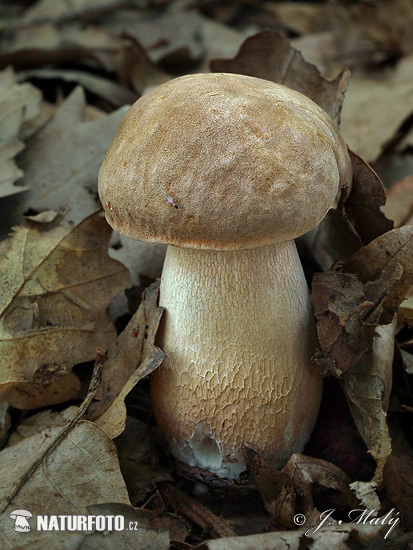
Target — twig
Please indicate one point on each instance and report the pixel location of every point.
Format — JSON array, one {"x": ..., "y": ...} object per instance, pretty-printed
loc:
[
  {"x": 195, "y": 512},
  {"x": 93, "y": 388}
]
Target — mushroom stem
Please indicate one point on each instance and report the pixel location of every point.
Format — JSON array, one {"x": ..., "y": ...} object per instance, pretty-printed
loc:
[{"x": 238, "y": 335}]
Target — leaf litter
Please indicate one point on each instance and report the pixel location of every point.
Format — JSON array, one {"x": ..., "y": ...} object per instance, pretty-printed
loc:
[{"x": 362, "y": 276}]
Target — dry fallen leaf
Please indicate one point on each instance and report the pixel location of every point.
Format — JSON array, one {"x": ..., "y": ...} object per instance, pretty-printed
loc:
[
  {"x": 56, "y": 284},
  {"x": 113, "y": 92},
  {"x": 19, "y": 104},
  {"x": 349, "y": 305},
  {"x": 62, "y": 160},
  {"x": 44, "y": 44},
  {"x": 135, "y": 68},
  {"x": 375, "y": 108},
  {"x": 132, "y": 357},
  {"x": 270, "y": 56},
  {"x": 340, "y": 307},
  {"x": 367, "y": 387},
  {"x": 363, "y": 204},
  {"x": 276, "y": 488},
  {"x": 83, "y": 470},
  {"x": 382, "y": 256}
]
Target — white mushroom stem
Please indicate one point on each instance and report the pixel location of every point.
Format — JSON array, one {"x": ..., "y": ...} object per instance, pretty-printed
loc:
[{"x": 238, "y": 335}]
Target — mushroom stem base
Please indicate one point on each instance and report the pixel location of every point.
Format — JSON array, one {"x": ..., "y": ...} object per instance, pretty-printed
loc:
[{"x": 238, "y": 335}]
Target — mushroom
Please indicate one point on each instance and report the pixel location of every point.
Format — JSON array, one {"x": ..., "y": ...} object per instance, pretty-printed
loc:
[
  {"x": 228, "y": 170},
  {"x": 21, "y": 525}
]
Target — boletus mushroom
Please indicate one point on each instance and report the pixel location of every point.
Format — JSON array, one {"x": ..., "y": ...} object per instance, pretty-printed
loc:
[{"x": 228, "y": 170}]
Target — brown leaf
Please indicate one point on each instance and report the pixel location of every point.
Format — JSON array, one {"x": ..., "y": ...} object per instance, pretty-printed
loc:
[
  {"x": 364, "y": 202},
  {"x": 306, "y": 472},
  {"x": 348, "y": 306},
  {"x": 276, "y": 488},
  {"x": 62, "y": 160},
  {"x": 367, "y": 388},
  {"x": 132, "y": 357},
  {"x": 19, "y": 104},
  {"x": 82, "y": 471},
  {"x": 340, "y": 303},
  {"x": 57, "y": 284},
  {"x": 382, "y": 255},
  {"x": 270, "y": 56},
  {"x": 135, "y": 67}
]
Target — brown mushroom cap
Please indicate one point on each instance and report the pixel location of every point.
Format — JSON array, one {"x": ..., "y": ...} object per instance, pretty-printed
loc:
[{"x": 222, "y": 161}]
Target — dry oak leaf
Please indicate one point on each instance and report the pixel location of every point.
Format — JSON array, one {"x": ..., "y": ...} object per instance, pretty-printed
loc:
[
  {"x": 55, "y": 284},
  {"x": 270, "y": 56},
  {"x": 83, "y": 470},
  {"x": 349, "y": 305},
  {"x": 132, "y": 357},
  {"x": 61, "y": 161},
  {"x": 19, "y": 104}
]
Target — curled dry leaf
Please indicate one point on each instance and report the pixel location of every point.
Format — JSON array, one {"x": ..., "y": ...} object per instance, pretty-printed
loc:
[
  {"x": 57, "y": 284},
  {"x": 132, "y": 357},
  {"x": 367, "y": 387},
  {"x": 349, "y": 305},
  {"x": 61, "y": 161},
  {"x": 306, "y": 473},
  {"x": 135, "y": 67},
  {"x": 270, "y": 56},
  {"x": 364, "y": 202},
  {"x": 340, "y": 305},
  {"x": 382, "y": 255},
  {"x": 83, "y": 470},
  {"x": 291, "y": 489},
  {"x": 276, "y": 488},
  {"x": 19, "y": 104},
  {"x": 357, "y": 338}
]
